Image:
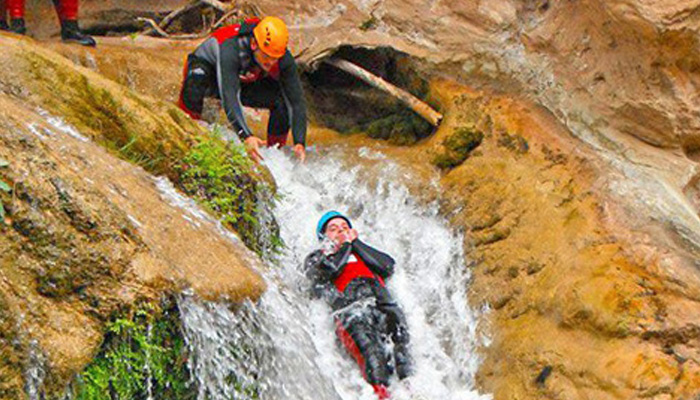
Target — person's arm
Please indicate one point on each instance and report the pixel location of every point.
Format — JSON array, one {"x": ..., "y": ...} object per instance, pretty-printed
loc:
[
  {"x": 227, "y": 70},
  {"x": 321, "y": 271},
  {"x": 379, "y": 262},
  {"x": 294, "y": 96}
]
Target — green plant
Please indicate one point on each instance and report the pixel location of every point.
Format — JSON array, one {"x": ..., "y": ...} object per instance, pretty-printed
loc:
[
  {"x": 369, "y": 23},
  {"x": 4, "y": 187},
  {"x": 220, "y": 175},
  {"x": 143, "y": 351}
]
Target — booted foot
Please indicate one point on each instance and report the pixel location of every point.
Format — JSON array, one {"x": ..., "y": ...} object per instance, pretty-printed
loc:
[
  {"x": 403, "y": 361},
  {"x": 70, "y": 33},
  {"x": 3, "y": 25},
  {"x": 17, "y": 26},
  {"x": 381, "y": 391}
]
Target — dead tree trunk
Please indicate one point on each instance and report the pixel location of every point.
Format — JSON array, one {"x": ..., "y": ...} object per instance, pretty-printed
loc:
[{"x": 420, "y": 107}]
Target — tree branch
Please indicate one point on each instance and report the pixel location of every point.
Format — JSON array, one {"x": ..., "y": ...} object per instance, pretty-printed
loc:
[{"x": 421, "y": 108}]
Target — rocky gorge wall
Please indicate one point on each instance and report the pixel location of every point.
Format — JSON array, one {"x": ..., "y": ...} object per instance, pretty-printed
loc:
[
  {"x": 87, "y": 234},
  {"x": 580, "y": 201}
]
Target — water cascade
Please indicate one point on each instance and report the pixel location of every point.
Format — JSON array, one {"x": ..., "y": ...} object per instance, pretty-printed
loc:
[{"x": 284, "y": 346}]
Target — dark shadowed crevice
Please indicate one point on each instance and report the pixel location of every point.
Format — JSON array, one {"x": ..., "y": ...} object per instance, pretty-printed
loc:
[{"x": 344, "y": 103}]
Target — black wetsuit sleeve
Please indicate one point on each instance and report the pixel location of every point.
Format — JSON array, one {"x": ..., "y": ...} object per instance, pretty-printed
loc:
[
  {"x": 321, "y": 271},
  {"x": 380, "y": 263},
  {"x": 227, "y": 71},
  {"x": 294, "y": 96}
]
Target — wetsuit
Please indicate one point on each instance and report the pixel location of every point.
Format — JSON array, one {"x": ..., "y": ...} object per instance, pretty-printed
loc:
[
  {"x": 3, "y": 16},
  {"x": 67, "y": 10},
  {"x": 223, "y": 66},
  {"x": 352, "y": 281}
]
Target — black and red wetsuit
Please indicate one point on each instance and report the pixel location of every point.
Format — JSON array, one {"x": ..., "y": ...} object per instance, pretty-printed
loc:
[
  {"x": 223, "y": 66},
  {"x": 352, "y": 281},
  {"x": 67, "y": 10}
]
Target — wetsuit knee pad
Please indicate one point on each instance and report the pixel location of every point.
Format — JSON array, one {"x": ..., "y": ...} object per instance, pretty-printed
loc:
[
  {"x": 278, "y": 126},
  {"x": 195, "y": 86},
  {"x": 397, "y": 324}
]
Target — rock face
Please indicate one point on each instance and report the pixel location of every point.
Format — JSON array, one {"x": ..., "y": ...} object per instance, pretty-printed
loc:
[
  {"x": 581, "y": 201},
  {"x": 88, "y": 233},
  {"x": 584, "y": 287}
]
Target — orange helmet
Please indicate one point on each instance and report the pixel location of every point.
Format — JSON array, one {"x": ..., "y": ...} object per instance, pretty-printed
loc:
[{"x": 272, "y": 35}]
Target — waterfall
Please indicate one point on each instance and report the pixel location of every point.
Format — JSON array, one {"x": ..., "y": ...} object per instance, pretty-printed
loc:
[{"x": 284, "y": 346}]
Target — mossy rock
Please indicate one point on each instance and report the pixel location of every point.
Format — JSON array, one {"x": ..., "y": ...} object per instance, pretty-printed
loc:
[
  {"x": 515, "y": 143},
  {"x": 458, "y": 146},
  {"x": 149, "y": 133},
  {"x": 11, "y": 349},
  {"x": 221, "y": 176},
  {"x": 143, "y": 350}
]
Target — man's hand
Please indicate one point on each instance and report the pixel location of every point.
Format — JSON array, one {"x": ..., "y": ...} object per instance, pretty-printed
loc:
[
  {"x": 352, "y": 235},
  {"x": 251, "y": 147},
  {"x": 300, "y": 152}
]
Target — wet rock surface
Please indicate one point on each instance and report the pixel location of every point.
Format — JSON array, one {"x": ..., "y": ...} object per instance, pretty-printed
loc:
[
  {"x": 88, "y": 233},
  {"x": 580, "y": 202}
]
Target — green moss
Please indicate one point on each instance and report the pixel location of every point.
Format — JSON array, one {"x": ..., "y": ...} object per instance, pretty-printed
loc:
[
  {"x": 11, "y": 363},
  {"x": 220, "y": 175},
  {"x": 347, "y": 105},
  {"x": 458, "y": 146},
  {"x": 402, "y": 128},
  {"x": 5, "y": 190},
  {"x": 144, "y": 351},
  {"x": 515, "y": 143},
  {"x": 152, "y": 135},
  {"x": 369, "y": 23},
  {"x": 117, "y": 119},
  {"x": 142, "y": 348}
]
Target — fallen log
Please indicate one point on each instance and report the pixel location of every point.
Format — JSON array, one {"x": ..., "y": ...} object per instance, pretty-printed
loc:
[
  {"x": 177, "y": 12},
  {"x": 420, "y": 107},
  {"x": 223, "y": 7},
  {"x": 234, "y": 12},
  {"x": 160, "y": 32}
]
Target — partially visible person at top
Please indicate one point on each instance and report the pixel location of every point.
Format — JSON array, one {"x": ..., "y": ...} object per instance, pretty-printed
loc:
[
  {"x": 67, "y": 11},
  {"x": 248, "y": 64},
  {"x": 3, "y": 16},
  {"x": 350, "y": 275}
]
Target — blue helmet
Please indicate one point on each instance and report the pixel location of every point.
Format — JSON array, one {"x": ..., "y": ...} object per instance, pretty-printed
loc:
[{"x": 321, "y": 227}]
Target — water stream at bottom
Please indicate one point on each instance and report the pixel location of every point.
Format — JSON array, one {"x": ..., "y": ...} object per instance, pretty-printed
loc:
[{"x": 284, "y": 346}]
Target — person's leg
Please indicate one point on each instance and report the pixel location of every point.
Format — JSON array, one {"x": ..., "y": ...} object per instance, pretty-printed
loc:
[
  {"x": 266, "y": 93},
  {"x": 3, "y": 16},
  {"x": 364, "y": 344},
  {"x": 397, "y": 327},
  {"x": 67, "y": 11},
  {"x": 16, "y": 10},
  {"x": 196, "y": 80}
]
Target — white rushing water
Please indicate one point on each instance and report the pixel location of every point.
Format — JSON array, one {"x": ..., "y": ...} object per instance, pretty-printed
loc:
[{"x": 284, "y": 347}]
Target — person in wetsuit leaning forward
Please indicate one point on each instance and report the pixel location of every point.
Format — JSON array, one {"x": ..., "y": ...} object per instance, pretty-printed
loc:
[
  {"x": 249, "y": 64},
  {"x": 351, "y": 278}
]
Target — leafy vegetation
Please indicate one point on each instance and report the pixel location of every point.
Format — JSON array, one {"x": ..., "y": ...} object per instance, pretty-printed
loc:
[
  {"x": 144, "y": 355},
  {"x": 221, "y": 176},
  {"x": 143, "y": 352}
]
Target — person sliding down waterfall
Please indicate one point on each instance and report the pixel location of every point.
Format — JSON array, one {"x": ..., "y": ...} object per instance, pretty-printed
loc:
[
  {"x": 249, "y": 63},
  {"x": 351, "y": 275}
]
